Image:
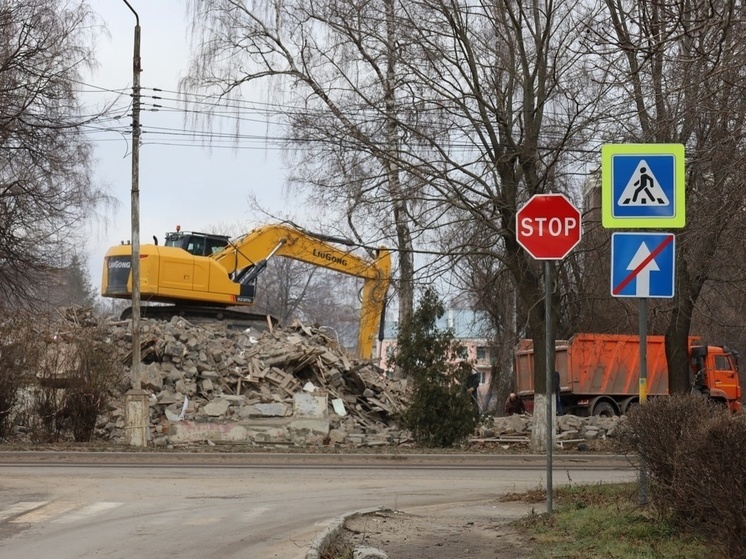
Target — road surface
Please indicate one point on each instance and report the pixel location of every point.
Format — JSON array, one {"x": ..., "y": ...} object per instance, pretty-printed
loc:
[{"x": 118, "y": 506}]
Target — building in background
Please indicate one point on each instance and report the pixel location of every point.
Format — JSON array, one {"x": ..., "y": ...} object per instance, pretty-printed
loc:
[{"x": 470, "y": 328}]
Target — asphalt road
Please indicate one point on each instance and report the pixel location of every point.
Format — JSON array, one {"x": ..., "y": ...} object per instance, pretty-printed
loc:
[{"x": 111, "y": 505}]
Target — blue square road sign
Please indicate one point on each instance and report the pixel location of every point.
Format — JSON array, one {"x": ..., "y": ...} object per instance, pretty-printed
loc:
[
  {"x": 643, "y": 185},
  {"x": 642, "y": 265}
]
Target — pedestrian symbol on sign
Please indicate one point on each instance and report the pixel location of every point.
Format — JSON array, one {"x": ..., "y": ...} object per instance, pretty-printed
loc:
[{"x": 643, "y": 189}]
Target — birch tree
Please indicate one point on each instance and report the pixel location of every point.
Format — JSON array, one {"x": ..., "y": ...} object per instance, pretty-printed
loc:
[{"x": 335, "y": 65}]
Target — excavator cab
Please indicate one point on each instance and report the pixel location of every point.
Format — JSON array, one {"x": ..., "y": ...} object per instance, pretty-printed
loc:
[{"x": 198, "y": 244}]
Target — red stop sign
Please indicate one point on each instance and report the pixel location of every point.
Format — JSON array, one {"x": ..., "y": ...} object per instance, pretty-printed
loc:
[{"x": 548, "y": 226}]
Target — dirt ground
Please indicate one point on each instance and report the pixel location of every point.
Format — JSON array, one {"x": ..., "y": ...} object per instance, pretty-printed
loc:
[{"x": 453, "y": 531}]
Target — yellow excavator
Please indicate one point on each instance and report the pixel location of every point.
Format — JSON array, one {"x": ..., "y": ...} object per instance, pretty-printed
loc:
[{"x": 204, "y": 275}]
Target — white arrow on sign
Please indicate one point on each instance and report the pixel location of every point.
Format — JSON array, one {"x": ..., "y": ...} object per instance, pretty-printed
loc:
[{"x": 642, "y": 285}]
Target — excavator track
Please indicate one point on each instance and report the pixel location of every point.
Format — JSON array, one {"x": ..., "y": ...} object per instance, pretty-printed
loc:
[{"x": 231, "y": 318}]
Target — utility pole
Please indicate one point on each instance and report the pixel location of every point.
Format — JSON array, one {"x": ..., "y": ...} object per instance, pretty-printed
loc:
[
  {"x": 136, "y": 404},
  {"x": 135, "y": 204}
]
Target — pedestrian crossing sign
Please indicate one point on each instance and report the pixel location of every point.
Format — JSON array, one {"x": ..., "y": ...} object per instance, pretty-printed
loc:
[{"x": 642, "y": 186}]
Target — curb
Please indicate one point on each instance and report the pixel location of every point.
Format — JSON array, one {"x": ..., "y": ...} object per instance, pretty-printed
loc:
[
  {"x": 285, "y": 459},
  {"x": 331, "y": 531}
]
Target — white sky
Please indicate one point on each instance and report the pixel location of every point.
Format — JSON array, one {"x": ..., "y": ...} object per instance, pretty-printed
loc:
[{"x": 193, "y": 186}]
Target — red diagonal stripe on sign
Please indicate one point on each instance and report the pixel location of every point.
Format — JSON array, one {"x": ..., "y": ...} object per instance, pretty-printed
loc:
[{"x": 666, "y": 241}]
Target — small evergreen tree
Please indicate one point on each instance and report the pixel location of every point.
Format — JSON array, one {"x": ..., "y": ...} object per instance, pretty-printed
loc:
[
  {"x": 79, "y": 290},
  {"x": 442, "y": 412}
]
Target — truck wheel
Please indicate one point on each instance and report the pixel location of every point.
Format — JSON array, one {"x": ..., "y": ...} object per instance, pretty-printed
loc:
[
  {"x": 631, "y": 406},
  {"x": 604, "y": 409}
]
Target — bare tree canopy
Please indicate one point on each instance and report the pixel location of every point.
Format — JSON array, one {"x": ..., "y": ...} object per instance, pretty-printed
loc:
[
  {"x": 437, "y": 119},
  {"x": 466, "y": 109},
  {"x": 45, "y": 177},
  {"x": 339, "y": 61}
]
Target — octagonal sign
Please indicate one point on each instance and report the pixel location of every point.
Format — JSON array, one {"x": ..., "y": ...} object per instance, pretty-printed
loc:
[{"x": 548, "y": 226}]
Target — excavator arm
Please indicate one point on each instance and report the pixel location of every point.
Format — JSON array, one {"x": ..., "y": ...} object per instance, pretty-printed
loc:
[
  {"x": 251, "y": 252},
  {"x": 170, "y": 274}
]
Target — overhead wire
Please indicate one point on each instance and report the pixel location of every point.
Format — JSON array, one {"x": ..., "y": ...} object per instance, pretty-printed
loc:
[
  {"x": 233, "y": 104},
  {"x": 234, "y": 112}
]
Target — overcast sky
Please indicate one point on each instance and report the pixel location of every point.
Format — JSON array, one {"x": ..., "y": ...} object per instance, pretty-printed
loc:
[{"x": 181, "y": 182}]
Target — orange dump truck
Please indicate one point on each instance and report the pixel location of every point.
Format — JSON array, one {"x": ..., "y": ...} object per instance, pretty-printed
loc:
[{"x": 599, "y": 373}]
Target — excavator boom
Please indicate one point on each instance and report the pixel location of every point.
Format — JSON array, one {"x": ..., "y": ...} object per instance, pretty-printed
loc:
[{"x": 226, "y": 277}]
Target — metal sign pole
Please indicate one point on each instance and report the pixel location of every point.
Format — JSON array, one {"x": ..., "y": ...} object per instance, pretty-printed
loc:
[
  {"x": 549, "y": 368},
  {"x": 636, "y": 270},
  {"x": 548, "y": 226},
  {"x": 643, "y": 309}
]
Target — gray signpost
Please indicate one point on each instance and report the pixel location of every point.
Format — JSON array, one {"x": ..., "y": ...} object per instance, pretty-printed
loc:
[{"x": 548, "y": 227}]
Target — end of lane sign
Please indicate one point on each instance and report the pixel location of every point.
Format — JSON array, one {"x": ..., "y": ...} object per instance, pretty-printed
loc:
[
  {"x": 642, "y": 185},
  {"x": 642, "y": 265}
]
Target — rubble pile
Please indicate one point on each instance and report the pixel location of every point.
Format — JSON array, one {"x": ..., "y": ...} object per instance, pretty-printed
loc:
[
  {"x": 291, "y": 385},
  {"x": 571, "y": 430},
  {"x": 210, "y": 383}
]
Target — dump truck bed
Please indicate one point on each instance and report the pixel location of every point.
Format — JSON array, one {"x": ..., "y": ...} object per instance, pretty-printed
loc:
[{"x": 598, "y": 364}]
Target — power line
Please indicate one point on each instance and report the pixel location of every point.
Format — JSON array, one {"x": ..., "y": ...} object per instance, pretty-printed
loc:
[{"x": 216, "y": 139}]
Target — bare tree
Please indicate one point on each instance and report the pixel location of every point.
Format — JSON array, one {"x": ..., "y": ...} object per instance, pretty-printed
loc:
[
  {"x": 334, "y": 304},
  {"x": 283, "y": 287},
  {"x": 455, "y": 113},
  {"x": 45, "y": 182},
  {"x": 490, "y": 284},
  {"x": 341, "y": 62},
  {"x": 675, "y": 71},
  {"x": 514, "y": 101}
]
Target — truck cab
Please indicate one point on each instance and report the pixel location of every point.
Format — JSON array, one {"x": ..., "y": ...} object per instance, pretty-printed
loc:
[{"x": 715, "y": 374}]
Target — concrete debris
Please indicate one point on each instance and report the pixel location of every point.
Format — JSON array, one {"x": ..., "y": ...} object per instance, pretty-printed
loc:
[
  {"x": 291, "y": 385},
  {"x": 367, "y": 552},
  {"x": 571, "y": 430},
  {"x": 211, "y": 384}
]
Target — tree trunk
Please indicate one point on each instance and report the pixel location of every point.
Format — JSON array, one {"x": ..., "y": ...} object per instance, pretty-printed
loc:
[
  {"x": 398, "y": 197},
  {"x": 677, "y": 332},
  {"x": 539, "y": 427},
  {"x": 532, "y": 290}
]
